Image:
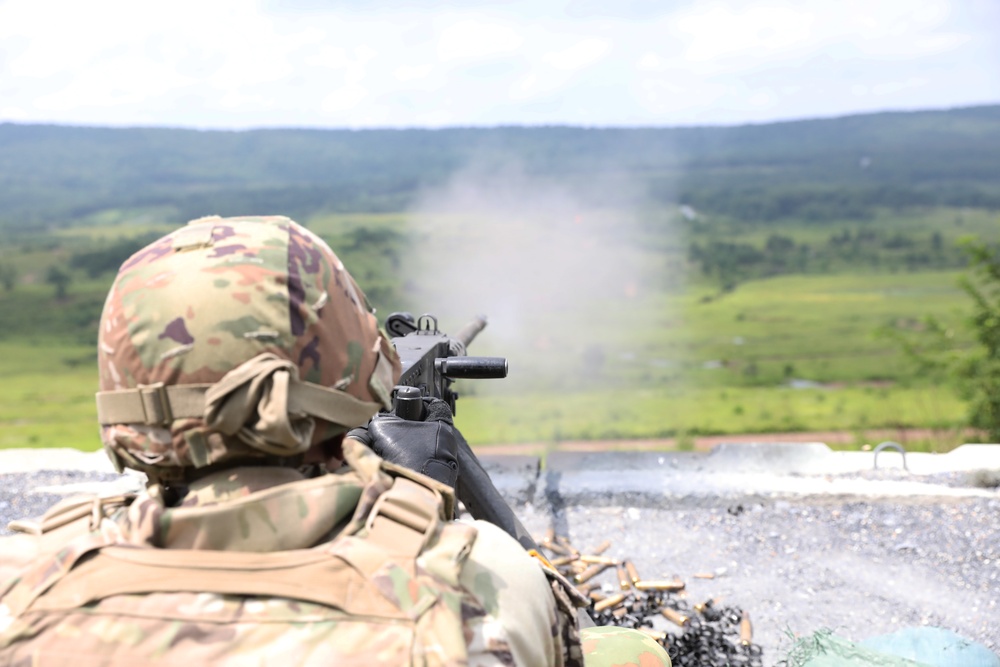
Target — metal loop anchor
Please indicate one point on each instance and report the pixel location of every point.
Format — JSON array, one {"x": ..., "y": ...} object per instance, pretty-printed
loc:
[{"x": 888, "y": 444}]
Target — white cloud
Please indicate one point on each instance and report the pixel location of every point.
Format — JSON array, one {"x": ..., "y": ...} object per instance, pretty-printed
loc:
[
  {"x": 345, "y": 99},
  {"x": 329, "y": 57},
  {"x": 578, "y": 56},
  {"x": 524, "y": 87},
  {"x": 890, "y": 87},
  {"x": 239, "y": 63},
  {"x": 15, "y": 114},
  {"x": 412, "y": 72},
  {"x": 650, "y": 62},
  {"x": 472, "y": 38},
  {"x": 761, "y": 99},
  {"x": 716, "y": 31},
  {"x": 123, "y": 82}
]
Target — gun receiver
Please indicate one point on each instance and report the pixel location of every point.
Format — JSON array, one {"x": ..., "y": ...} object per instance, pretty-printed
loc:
[{"x": 431, "y": 361}]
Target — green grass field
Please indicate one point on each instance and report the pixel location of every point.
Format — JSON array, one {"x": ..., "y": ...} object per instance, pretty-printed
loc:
[
  {"x": 687, "y": 375},
  {"x": 661, "y": 359},
  {"x": 728, "y": 366},
  {"x": 684, "y": 414},
  {"x": 47, "y": 395}
]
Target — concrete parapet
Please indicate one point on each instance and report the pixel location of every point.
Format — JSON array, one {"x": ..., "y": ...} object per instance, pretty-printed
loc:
[{"x": 729, "y": 472}]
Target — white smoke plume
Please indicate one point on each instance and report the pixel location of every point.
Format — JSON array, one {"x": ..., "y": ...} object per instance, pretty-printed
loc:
[{"x": 563, "y": 283}]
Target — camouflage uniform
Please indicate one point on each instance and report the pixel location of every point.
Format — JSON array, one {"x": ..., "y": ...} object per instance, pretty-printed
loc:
[
  {"x": 228, "y": 350},
  {"x": 445, "y": 606}
]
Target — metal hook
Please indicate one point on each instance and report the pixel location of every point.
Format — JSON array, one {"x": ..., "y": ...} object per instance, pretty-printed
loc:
[{"x": 888, "y": 444}]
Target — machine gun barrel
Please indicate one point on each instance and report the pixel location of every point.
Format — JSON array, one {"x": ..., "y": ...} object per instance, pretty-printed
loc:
[{"x": 469, "y": 332}]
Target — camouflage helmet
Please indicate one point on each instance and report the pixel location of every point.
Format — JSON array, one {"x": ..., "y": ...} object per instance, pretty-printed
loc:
[{"x": 235, "y": 338}]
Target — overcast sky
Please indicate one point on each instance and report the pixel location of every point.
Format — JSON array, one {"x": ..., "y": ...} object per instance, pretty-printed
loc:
[{"x": 403, "y": 63}]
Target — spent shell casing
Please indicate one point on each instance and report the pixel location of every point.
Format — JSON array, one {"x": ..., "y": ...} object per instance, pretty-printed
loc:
[
  {"x": 623, "y": 579},
  {"x": 598, "y": 560},
  {"x": 562, "y": 560},
  {"x": 550, "y": 535},
  {"x": 746, "y": 629},
  {"x": 655, "y": 634},
  {"x": 586, "y": 588},
  {"x": 707, "y": 604},
  {"x": 662, "y": 585},
  {"x": 619, "y": 613},
  {"x": 704, "y": 575},
  {"x": 632, "y": 573},
  {"x": 556, "y": 548},
  {"x": 674, "y": 617},
  {"x": 610, "y": 601},
  {"x": 565, "y": 543},
  {"x": 589, "y": 573},
  {"x": 602, "y": 547},
  {"x": 596, "y": 596}
]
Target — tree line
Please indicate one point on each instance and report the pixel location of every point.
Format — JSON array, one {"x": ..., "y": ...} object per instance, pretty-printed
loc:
[
  {"x": 732, "y": 262},
  {"x": 840, "y": 168}
]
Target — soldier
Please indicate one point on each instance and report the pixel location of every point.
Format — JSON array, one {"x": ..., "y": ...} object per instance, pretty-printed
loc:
[{"x": 231, "y": 353}]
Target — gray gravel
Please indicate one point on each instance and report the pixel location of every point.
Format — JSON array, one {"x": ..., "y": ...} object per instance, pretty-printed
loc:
[
  {"x": 862, "y": 552},
  {"x": 862, "y": 569},
  {"x": 21, "y": 495}
]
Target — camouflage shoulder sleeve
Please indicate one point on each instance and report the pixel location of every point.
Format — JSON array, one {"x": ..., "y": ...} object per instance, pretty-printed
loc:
[
  {"x": 520, "y": 608},
  {"x": 16, "y": 553}
]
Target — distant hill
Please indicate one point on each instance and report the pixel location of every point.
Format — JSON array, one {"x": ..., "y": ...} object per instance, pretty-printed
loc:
[{"x": 810, "y": 169}]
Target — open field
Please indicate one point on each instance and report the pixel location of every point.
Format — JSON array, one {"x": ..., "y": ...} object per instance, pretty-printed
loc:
[
  {"x": 614, "y": 332},
  {"x": 790, "y": 353},
  {"x": 46, "y": 396},
  {"x": 683, "y": 416}
]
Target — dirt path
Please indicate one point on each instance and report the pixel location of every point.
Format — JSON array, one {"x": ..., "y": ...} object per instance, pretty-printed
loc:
[{"x": 873, "y": 437}]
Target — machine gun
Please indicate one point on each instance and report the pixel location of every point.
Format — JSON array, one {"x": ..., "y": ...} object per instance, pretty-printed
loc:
[{"x": 431, "y": 362}]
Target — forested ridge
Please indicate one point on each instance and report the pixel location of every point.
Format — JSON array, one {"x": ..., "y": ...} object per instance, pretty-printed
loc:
[{"x": 839, "y": 168}]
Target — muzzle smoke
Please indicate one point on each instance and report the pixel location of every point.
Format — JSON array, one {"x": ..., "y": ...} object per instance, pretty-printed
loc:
[{"x": 564, "y": 283}]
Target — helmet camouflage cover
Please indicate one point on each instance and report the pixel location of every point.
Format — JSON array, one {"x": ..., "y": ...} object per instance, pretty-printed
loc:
[{"x": 233, "y": 338}]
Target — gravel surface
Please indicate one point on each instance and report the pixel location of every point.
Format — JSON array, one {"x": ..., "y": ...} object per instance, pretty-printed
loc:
[
  {"x": 22, "y": 495},
  {"x": 861, "y": 567},
  {"x": 862, "y": 553}
]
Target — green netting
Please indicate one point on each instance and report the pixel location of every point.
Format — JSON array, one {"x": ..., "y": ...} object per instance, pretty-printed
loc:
[
  {"x": 936, "y": 646},
  {"x": 825, "y": 649}
]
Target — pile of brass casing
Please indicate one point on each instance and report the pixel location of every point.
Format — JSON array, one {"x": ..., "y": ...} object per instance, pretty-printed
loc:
[{"x": 633, "y": 601}]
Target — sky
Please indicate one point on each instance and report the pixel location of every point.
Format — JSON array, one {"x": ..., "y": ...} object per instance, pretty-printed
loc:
[{"x": 239, "y": 64}]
